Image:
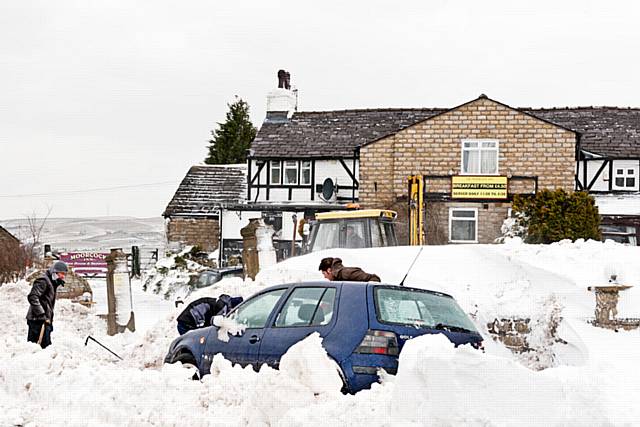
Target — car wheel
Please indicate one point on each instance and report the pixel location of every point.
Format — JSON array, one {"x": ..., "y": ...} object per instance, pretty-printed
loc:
[{"x": 189, "y": 362}]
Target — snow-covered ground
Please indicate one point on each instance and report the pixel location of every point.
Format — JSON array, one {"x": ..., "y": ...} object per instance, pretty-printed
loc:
[{"x": 592, "y": 380}]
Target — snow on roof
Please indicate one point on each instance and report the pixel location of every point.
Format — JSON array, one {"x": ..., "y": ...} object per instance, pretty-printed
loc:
[
  {"x": 618, "y": 204},
  {"x": 207, "y": 187}
]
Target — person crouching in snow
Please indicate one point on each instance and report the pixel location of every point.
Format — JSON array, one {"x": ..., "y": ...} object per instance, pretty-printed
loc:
[
  {"x": 199, "y": 313},
  {"x": 42, "y": 300},
  {"x": 333, "y": 270}
]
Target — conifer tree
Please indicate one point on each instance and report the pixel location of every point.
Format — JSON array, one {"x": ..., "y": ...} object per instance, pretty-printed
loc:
[
  {"x": 233, "y": 138},
  {"x": 554, "y": 215}
]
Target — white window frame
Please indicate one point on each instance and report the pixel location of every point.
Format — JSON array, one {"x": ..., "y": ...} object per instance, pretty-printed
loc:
[
  {"x": 481, "y": 150},
  {"x": 273, "y": 163},
  {"x": 475, "y": 219},
  {"x": 289, "y": 165},
  {"x": 305, "y": 165},
  {"x": 624, "y": 175}
]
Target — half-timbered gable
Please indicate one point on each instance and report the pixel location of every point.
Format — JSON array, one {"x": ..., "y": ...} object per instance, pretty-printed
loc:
[
  {"x": 609, "y": 149},
  {"x": 291, "y": 159}
]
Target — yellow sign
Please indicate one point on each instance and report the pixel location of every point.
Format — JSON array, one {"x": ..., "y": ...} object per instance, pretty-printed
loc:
[{"x": 478, "y": 187}]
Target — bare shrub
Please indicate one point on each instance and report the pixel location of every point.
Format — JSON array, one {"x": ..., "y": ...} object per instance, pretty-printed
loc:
[{"x": 14, "y": 260}]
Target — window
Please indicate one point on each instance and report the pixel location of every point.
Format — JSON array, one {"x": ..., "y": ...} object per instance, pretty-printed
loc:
[
  {"x": 479, "y": 157},
  {"x": 619, "y": 233},
  {"x": 419, "y": 309},
  {"x": 290, "y": 172},
  {"x": 255, "y": 312},
  {"x": 276, "y": 174},
  {"x": 327, "y": 236},
  {"x": 354, "y": 237},
  {"x": 463, "y": 225},
  {"x": 305, "y": 173},
  {"x": 307, "y": 307},
  {"x": 624, "y": 178}
]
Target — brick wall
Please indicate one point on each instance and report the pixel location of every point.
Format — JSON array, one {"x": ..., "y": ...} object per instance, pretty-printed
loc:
[
  {"x": 527, "y": 147},
  {"x": 194, "y": 231}
]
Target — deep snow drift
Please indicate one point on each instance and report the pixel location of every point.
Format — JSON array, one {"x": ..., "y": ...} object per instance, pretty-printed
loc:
[{"x": 590, "y": 380}]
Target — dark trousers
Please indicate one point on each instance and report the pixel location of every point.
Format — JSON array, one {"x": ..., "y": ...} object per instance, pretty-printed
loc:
[{"x": 35, "y": 326}]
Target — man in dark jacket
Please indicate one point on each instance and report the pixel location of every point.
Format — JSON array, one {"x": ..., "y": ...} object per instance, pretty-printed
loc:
[
  {"x": 333, "y": 270},
  {"x": 198, "y": 313},
  {"x": 42, "y": 300}
]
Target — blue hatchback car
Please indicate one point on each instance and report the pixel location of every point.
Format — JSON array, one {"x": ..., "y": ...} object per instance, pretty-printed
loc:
[{"x": 363, "y": 325}]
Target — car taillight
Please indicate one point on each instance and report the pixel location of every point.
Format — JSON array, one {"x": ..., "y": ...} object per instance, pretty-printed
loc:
[{"x": 379, "y": 342}]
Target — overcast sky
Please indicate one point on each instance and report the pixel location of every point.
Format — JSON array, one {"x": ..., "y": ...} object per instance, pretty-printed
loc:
[{"x": 102, "y": 94}]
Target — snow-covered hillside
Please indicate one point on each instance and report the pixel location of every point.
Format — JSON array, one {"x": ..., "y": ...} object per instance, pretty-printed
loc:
[
  {"x": 592, "y": 381},
  {"x": 75, "y": 234}
]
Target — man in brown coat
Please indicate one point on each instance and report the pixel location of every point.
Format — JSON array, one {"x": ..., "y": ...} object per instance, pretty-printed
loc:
[{"x": 333, "y": 270}]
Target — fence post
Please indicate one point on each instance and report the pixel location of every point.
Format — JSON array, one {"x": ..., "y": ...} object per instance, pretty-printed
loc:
[{"x": 135, "y": 261}]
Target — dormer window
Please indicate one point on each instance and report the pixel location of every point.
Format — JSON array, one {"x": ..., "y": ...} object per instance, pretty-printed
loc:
[{"x": 479, "y": 157}]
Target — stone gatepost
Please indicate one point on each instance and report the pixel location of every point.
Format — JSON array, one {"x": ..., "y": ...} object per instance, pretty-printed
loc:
[
  {"x": 257, "y": 247},
  {"x": 120, "y": 314},
  {"x": 250, "y": 248},
  {"x": 266, "y": 251},
  {"x": 606, "y": 312}
]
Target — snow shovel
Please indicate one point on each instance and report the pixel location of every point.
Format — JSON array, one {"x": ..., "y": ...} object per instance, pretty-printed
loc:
[
  {"x": 101, "y": 345},
  {"x": 41, "y": 334}
]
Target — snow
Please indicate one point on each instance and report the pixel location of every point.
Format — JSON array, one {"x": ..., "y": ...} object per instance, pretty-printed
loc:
[
  {"x": 618, "y": 204},
  {"x": 590, "y": 380}
]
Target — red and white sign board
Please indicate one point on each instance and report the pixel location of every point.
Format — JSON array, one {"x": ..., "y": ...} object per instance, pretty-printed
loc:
[{"x": 89, "y": 264}]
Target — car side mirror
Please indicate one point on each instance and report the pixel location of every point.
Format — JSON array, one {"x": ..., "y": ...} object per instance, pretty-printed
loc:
[{"x": 217, "y": 321}]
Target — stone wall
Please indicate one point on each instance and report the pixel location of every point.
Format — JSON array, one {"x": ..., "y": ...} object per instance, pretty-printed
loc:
[
  {"x": 527, "y": 147},
  {"x": 203, "y": 232},
  {"x": 490, "y": 219},
  {"x": 511, "y": 332}
]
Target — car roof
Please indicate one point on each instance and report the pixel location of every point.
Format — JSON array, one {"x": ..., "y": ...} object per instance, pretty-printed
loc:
[{"x": 324, "y": 283}]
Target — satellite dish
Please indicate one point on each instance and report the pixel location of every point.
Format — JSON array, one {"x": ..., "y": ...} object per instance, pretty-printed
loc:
[{"x": 328, "y": 189}]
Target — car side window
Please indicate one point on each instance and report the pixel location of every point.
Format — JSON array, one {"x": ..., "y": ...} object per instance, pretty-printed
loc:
[
  {"x": 307, "y": 307},
  {"x": 255, "y": 312}
]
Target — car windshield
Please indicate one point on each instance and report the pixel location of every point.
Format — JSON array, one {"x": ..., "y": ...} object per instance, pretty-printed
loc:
[{"x": 420, "y": 309}]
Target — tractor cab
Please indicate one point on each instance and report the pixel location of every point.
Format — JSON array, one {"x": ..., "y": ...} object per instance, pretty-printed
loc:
[{"x": 367, "y": 228}]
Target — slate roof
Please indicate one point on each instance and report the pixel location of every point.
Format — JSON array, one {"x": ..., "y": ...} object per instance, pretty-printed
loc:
[
  {"x": 609, "y": 131},
  {"x": 332, "y": 133},
  {"x": 206, "y": 188}
]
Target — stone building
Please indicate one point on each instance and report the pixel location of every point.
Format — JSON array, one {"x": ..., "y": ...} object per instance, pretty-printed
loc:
[
  {"x": 480, "y": 144},
  {"x": 481, "y": 139},
  {"x": 193, "y": 214}
]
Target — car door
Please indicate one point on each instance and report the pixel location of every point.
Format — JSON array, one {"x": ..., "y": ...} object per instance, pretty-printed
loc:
[
  {"x": 254, "y": 313},
  {"x": 306, "y": 310}
]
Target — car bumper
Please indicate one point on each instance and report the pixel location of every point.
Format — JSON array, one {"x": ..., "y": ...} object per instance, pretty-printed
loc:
[{"x": 361, "y": 370}]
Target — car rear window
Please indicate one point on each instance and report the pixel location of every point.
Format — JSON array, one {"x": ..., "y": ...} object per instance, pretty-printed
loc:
[{"x": 419, "y": 308}]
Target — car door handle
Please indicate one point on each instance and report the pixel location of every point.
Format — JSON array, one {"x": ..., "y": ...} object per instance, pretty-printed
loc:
[{"x": 254, "y": 339}]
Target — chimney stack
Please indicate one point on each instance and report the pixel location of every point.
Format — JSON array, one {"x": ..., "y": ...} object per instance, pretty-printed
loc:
[{"x": 283, "y": 101}]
